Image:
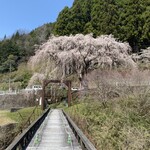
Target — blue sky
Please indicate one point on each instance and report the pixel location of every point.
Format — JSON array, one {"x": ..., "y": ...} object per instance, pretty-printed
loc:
[{"x": 28, "y": 14}]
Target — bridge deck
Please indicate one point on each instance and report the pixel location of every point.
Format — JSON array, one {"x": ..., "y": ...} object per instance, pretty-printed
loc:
[{"x": 54, "y": 134}]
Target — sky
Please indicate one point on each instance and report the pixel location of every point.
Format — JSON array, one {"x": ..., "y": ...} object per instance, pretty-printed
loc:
[{"x": 27, "y": 15}]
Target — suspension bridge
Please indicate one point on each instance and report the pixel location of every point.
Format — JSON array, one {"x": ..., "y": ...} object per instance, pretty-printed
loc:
[{"x": 54, "y": 130}]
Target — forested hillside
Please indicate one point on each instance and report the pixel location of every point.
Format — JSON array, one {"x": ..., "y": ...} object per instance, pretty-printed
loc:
[
  {"x": 21, "y": 46},
  {"x": 127, "y": 20}
]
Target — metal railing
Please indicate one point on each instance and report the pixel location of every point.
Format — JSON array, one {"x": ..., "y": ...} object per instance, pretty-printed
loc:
[
  {"x": 22, "y": 141},
  {"x": 82, "y": 139},
  {"x": 9, "y": 92}
]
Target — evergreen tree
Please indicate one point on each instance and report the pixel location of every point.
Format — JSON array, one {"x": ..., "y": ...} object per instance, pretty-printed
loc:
[
  {"x": 131, "y": 23},
  {"x": 63, "y": 20},
  {"x": 127, "y": 20},
  {"x": 145, "y": 38},
  {"x": 104, "y": 16},
  {"x": 73, "y": 20}
]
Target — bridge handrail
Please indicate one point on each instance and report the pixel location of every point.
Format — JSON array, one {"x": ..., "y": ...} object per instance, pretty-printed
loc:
[
  {"x": 24, "y": 139},
  {"x": 82, "y": 139}
]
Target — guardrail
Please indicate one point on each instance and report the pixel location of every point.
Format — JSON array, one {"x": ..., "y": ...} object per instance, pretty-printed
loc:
[
  {"x": 9, "y": 92},
  {"x": 22, "y": 141},
  {"x": 82, "y": 139},
  {"x": 15, "y": 92}
]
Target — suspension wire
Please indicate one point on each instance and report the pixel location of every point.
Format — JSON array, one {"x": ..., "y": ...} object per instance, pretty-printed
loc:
[{"x": 38, "y": 136}]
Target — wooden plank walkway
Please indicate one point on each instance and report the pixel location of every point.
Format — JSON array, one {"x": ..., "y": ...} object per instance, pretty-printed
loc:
[{"x": 54, "y": 134}]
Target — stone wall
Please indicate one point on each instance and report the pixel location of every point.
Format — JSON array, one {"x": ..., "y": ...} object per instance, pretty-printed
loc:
[{"x": 18, "y": 100}]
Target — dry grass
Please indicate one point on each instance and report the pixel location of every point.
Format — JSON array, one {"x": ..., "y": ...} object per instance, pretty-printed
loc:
[
  {"x": 118, "y": 77},
  {"x": 118, "y": 126},
  {"x": 117, "y": 123}
]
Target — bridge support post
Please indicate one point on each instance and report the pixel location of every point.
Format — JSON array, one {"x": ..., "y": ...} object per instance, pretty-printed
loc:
[
  {"x": 69, "y": 93},
  {"x": 43, "y": 97}
]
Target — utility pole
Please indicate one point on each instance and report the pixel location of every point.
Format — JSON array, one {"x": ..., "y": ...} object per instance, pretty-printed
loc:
[
  {"x": 10, "y": 77},
  {"x": 51, "y": 93},
  {"x": 69, "y": 93}
]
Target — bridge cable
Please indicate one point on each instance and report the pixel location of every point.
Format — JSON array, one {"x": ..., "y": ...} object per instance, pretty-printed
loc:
[{"x": 69, "y": 140}]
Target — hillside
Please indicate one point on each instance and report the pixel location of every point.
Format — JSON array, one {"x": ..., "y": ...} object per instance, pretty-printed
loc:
[
  {"x": 21, "y": 46},
  {"x": 127, "y": 20},
  {"x": 122, "y": 124}
]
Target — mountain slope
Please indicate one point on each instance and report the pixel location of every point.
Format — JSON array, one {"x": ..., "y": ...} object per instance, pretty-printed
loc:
[
  {"x": 21, "y": 46},
  {"x": 126, "y": 19}
]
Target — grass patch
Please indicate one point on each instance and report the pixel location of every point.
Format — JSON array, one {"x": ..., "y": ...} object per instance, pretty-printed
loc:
[
  {"x": 21, "y": 116},
  {"x": 24, "y": 114},
  {"x": 4, "y": 119},
  {"x": 59, "y": 105}
]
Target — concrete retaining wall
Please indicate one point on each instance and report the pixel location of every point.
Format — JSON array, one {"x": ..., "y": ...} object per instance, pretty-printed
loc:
[{"x": 18, "y": 100}]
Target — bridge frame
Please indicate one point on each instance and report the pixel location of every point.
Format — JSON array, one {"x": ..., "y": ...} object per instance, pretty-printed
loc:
[
  {"x": 22, "y": 140},
  {"x": 46, "y": 82}
]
